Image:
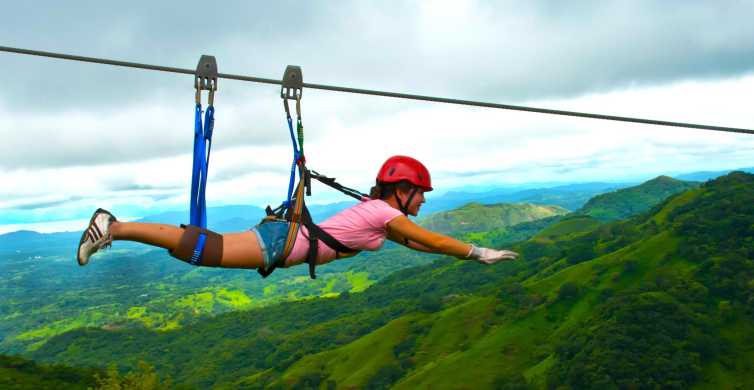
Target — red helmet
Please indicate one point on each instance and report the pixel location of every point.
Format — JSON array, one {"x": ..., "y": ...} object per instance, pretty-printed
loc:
[{"x": 399, "y": 168}]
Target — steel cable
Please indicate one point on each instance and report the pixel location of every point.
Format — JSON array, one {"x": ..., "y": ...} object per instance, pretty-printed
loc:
[{"x": 381, "y": 93}]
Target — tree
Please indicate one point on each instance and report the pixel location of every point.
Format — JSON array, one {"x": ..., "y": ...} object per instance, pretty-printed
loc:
[
  {"x": 568, "y": 290},
  {"x": 143, "y": 378}
]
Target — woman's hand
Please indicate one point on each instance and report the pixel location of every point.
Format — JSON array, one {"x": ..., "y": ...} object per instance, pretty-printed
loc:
[{"x": 490, "y": 256}]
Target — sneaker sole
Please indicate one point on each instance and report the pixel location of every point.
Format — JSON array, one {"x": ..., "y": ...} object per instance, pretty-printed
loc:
[{"x": 84, "y": 235}]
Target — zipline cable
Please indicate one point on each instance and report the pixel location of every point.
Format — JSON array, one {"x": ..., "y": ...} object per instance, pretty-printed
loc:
[{"x": 382, "y": 93}]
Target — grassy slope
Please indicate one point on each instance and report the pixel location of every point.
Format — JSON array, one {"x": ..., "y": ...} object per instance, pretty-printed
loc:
[
  {"x": 460, "y": 353},
  {"x": 355, "y": 363},
  {"x": 478, "y": 359},
  {"x": 572, "y": 225}
]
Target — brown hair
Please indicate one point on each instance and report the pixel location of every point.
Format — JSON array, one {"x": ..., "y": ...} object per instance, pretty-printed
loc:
[{"x": 384, "y": 190}]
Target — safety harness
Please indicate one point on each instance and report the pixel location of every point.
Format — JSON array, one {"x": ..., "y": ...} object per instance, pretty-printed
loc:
[{"x": 293, "y": 210}]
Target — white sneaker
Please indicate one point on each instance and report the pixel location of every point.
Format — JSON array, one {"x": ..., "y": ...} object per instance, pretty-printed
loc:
[{"x": 96, "y": 236}]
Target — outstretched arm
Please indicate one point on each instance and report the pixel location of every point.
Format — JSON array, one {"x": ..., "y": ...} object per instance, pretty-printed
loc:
[
  {"x": 409, "y": 244},
  {"x": 403, "y": 231}
]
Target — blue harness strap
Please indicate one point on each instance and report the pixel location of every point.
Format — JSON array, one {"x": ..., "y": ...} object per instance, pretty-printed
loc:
[
  {"x": 202, "y": 149},
  {"x": 209, "y": 124},
  {"x": 196, "y": 171},
  {"x": 296, "y": 155},
  {"x": 205, "y": 79}
]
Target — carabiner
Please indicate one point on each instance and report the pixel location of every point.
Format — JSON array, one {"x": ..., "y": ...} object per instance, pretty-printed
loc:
[{"x": 298, "y": 107}]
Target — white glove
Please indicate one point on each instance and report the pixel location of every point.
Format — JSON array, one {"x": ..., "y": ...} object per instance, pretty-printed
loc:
[{"x": 490, "y": 256}]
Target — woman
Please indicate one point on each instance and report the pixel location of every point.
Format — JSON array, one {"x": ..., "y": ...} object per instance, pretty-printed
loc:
[{"x": 399, "y": 192}]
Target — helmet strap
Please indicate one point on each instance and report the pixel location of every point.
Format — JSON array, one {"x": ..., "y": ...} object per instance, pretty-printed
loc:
[{"x": 404, "y": 207}]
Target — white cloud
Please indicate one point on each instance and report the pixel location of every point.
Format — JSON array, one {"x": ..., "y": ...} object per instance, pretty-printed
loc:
[
  {"x": 78, "y": 135},
  {"x": 473, "y": 49},
  {"x": 462, "y": 146}
]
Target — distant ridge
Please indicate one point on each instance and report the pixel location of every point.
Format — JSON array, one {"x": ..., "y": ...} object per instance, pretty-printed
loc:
[
  {"x": 570, "y": 196},
  {"x": 630, "y": 201},
  {"x": 49, "y": 242},
  {"x": 477, "y": 217},
  {"x": 709, "y": 175}
]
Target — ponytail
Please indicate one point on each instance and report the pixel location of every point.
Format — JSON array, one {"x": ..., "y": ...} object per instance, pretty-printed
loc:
[
  {"x": 383, "y": 190},
  {"x": 376, "y": 192}
]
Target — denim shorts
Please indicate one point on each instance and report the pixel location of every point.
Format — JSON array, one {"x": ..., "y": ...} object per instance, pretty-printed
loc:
[{"x": 271, "y": 236}]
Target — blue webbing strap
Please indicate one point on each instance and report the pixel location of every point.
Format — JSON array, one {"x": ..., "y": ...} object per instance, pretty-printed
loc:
[
  {"x": 202, "y": 148},
  {"x": 209, "y": 125},
  {"x": 197, "y": 167},
  {"x": 295, "y": 156}
]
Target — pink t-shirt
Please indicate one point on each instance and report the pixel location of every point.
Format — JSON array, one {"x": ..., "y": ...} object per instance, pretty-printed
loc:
[{"x": 360, "y": 227}]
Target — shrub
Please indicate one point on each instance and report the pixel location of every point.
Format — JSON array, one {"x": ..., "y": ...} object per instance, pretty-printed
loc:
[{"x": 567, "y": 291}]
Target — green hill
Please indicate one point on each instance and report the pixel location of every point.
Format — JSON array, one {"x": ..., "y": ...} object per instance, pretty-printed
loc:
[
  {"x": 476, "y": 217},
  {"x": 663, "y": 300},
  {"x": 20, "y": 374},
  {"x": 630, "y": 201}
]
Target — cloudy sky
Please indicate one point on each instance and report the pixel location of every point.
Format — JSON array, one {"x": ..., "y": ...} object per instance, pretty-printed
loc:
[{"x": 77, "y": 136}]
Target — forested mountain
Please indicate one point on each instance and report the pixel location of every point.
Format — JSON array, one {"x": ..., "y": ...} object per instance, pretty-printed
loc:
[
  {"x": 708, "y": 175},
  {"x": 476, "y": 217},
  {"x": 662, "y": 300},
  {"x": 630, "y": 201},
  {"x": 473, "y": 222}
]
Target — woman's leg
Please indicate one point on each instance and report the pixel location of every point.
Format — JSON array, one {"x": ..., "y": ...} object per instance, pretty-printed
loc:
[{"x": 240, "y": 250}]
